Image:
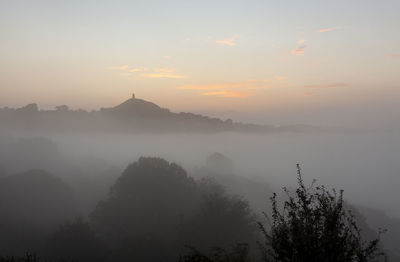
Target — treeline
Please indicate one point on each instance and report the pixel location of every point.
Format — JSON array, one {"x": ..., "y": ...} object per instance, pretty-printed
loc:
[
  {"x": 156, "y": 212},
  {"x": 132, "y": 116},
  {"x": 153, "y": 211}
]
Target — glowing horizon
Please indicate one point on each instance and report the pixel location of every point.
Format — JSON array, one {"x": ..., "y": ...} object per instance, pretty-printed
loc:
[{"x": 227, "y": 56}]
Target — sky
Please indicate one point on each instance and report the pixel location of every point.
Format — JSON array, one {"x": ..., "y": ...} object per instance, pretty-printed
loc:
[{"x": 313, "y": 62}]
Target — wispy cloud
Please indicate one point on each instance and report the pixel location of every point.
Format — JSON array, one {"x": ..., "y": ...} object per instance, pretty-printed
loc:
[
  {"x": 227, "y": 41},
  {"x": 227, "y": 94},
  {"x": 300, "y": 50},
  {"x": 243, "y": 85},
  {"x": 203, "y": 87},
  {"x": 301, "y": 41},
  {"x": 162, "y": 72},
  {"x": 279, "y": 78},
  {"x": 394, "y": 55},
  {"x": 139, "y": 69},
  {"x": 163, "y": 75},
  {"x": 233, "y": 89},
  {"x": 338, "y": 84},
  {"x": 301, "y": 29},
  {"x": 122, "y": 67},
  {"x": 328, "y": 29}
]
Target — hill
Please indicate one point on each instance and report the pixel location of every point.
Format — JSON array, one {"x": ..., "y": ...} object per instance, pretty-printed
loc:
[{"x": 132, "y": 116}]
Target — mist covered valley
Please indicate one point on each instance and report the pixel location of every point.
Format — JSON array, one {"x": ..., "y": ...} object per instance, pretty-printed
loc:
[
  {"x": 249, "y": 166},
  {"x": 357, "y": 162}
]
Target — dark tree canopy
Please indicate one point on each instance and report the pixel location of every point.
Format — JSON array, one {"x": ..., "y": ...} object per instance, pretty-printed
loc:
[
  {"x": 36, "y": 194},
  {"x": 314, "y": 225},
  {"x": 155, "y": 212},
  {"x": 154, "y": 205},
  {"x": 76, "y": 241},
  {"x": 237, "y": 253},
  {"x": 220, "y": 164},
  {"x": 222, "y": 220},
  {"x": 221, "y": 169},
  {"x": 150, "y": 191},
  {"x": 32, "y": 204}
]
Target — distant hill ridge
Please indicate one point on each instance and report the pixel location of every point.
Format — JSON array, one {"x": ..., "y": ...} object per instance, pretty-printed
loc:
[
  {"x": 133, "y": 115},
  {"x": 135, "y": 106}
]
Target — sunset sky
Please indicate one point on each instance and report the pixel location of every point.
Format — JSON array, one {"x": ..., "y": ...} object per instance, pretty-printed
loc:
[{"x": 280, "y": 61}]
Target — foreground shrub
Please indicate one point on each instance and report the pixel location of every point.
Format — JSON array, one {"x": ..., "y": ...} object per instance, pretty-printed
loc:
[{"x": 314, "y": 225}]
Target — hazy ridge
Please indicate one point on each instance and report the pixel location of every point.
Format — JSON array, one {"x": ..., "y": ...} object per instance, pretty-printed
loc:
[{"x": 132, "y": 116}]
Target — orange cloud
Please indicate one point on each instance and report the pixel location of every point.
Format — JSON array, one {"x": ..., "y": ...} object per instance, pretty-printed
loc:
[
  {"x": 134, "y": 70},
  {"x": 328, "y": 29},
  {"x": 153, "y": 73},
  {"x": 226, "y": 94},
  {"x": 301, "y": 41},
  {"x": 164, "y": 70},
  {"x": 123, "y": 67},
  {"x": 233, "y": 89},
  {"x": 159, "y": 73},
  {"x": 394, "y": 55},
  {"x": 163, "y": 75},
  {"x": 228, "y": 41},
  {"x": 300, "y": 50},
  {"x": 203, "y": 87},
  {"x": 249, "y": 84},
  {"x": 280, "y": 78},
  {"x": 328, "y": 85}
]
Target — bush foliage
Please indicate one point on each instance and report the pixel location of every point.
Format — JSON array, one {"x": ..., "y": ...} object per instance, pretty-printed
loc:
[{"x": 314, "y": 225}]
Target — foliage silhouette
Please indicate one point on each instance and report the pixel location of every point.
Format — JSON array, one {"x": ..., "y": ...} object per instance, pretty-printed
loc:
[
  {"x": 154, "y": 205},
  {"x": 32, "y": 205},
  {"x": 222, "y": 220},
  {"x": 76, "y": 241},
  {"x": 27, "y": 258},
  {"x": 154, "y": 210},
  {"x": 239, "y": 253},
  {"x": 314, "y": 225}
]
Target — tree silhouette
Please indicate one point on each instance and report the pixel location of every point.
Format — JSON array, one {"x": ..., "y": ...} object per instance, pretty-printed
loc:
[
  {"x": 144, "y": 209},
  {"x": 154, "y": 205},
  {"x": 32, "y": 205},
  {"x": 76, "y": 241},
  {"x": 238, "y": 253},
  {"x": 222, "y": 220},
  {"x": 314, "y": 225}
]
